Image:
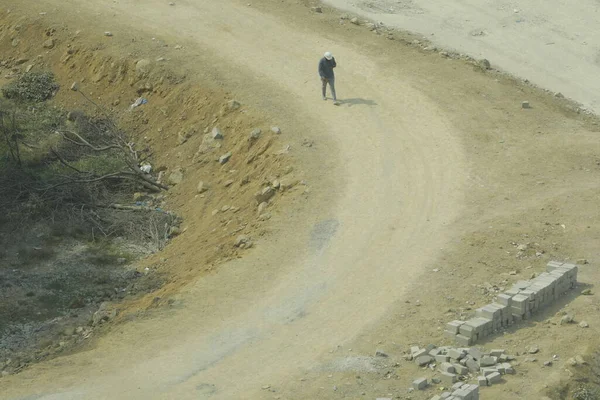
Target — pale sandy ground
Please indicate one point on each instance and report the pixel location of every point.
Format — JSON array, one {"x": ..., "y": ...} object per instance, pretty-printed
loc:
[{"x": 554, "y": 44}]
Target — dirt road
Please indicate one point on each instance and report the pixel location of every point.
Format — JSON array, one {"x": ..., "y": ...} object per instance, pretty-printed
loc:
[
  {"x": 399, "y": 186},
  {"x": 554, "y": 45}
]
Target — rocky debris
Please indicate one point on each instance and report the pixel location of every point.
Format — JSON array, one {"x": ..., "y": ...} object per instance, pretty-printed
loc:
[
  {"x": 264, "y": 195},
  {"x": 566, "y": 319},
  {"x": 587, "y": 292},
  {"x": 317, "y": 10},
  {"x": 242, "y": 242},
  {"x": 276, "y": 130},
  {"x": 216, "y": 134},
  {"x": 459, "y": 364},
  {"x": 228, "y": 182},
  {"x": 515, "y": 304},
  {"x": 485, "y": 64},
  {"x": 176, "y": 177},
  {"x": 202, "y": 187},
  {"x": 533, "y": 349},
  {"x": 255, "y": 134},
  {"x": 380, "y": 353},
  {"x": 49, "y": 44},
  {"x": 74, "y": 87},
  {"x": 103, "y": 314},
  {"x": 108, "y": 33},
  {"x": 224, "y": 158},
  {"x": 355, "y": 21},
  {"x": 142, "y": 68},
  {"x": 262, "y": 207},
  {"x": 584, "y": 324},
  {"x": 230, "y": 106},
  {"x": 525, "y": 104},
  {"x": 174, "y": 231}
]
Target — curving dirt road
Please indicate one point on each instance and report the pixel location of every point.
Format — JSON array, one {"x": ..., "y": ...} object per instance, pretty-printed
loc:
[{"x": 400, "y": 183}]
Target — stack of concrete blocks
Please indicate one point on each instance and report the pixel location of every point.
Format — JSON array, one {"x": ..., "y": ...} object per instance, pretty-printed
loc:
[
  {"x": 515, "y": 304},
  {"x": 460, "y": 391}
]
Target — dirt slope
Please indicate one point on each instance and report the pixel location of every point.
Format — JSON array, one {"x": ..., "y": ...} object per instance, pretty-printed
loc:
[{"x": 410, "y": 165}]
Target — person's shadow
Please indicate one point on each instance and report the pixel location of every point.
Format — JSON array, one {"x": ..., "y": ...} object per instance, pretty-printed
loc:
[{"x": 357, "y": 101}]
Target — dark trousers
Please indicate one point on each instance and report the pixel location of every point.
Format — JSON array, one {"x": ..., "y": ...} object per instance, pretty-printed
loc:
[{"x": 331, "y": 82}]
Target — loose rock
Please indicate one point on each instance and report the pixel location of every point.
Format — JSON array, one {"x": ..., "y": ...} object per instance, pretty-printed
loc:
[
  {"x": 49, "y": 44},
  {"x": 566, "y": 319},
  {"x": 216, "y": 134},
  {"x": 202, "y": 187},
  {"x": 176, "y": 177},
  {"x": 224, "y": 158},
  {"x": 584, "y": 324},
  {"x": 264, "y": 195},
  {"x": 354, "y": 21},
  {"x": 276, "y": 130}
]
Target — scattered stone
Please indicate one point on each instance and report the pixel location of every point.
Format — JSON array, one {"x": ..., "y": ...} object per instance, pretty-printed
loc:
[
  {"x": 255, "y": 134},
  {"x": 547, "y": 363},
  {"x": 580, "y": 360},
  {"x": 525, "y": 104},
  {"x": 224, "y": 158},
  {"x": 485, "y": 64},
  {"x": 584, "y": 324},
  {"x": 107, "y": 33},
  {"x": 378, "y": 353},
  {"x": 176, "y": 177},
  {"x": 241, "y": 240},
  {"x": 228, "y": 182},
  {"x": 582, "y": 261},
  {"x": 566, "y": 319},
  {"x": 216, "y": 134},
  {"x": 232, "y": 105},
  {"x": 436, "y": 381},
  {"x": 262, "y": 207},
  {"x": 49, "y": 44},
  {"x": 488, "y": 361},
  {"x": 354, "y": 21},
  {"x": 572, "y": 362},
  {"x": 202, "y": 187},
  {"x": 420, "y": 384},
  {"x": 587, "y": 292},
  {"x": 29, "y": 68},
  {"x": 264, "y": 195},
  {"x": 276, "y": 130},
  {"x": 103, "y": 314},
  {"x": 317, "y": 10},
  {"x": 74, "y": 86},
  {"x": 533, "y": 349},
  {"x": 142, "y": 68},
  {"x": 174, "y": 231}
]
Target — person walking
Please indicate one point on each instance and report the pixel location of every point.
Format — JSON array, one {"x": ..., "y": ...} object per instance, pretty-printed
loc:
[{"x": 326, "y": 66}]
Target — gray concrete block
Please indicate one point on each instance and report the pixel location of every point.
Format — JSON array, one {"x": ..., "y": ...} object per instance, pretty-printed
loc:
[
  {"x": 457, "y": 386},
  {"x": 456, "y": 354},
  {"x": 462, "y": 340},
  {"x": 419, "y": 353},
  {"x": 420, "y": 384},
  {"x": 482, "y": 380},
  {"x": 504, "y": 299},
  {"x": 488, "y": 361},
  {"x": 423, "y": 360},
  {"x": 460, "y": 369},
  {"x": 448, "y": 378},
  {"x": 494, "y": 378},
  {"x": 475, "y": 353},
  {"x": 447, "y": 367},
  {"x": 467, "y": 330},
  {"x": 454, "y": 326},
  {"x": 508, "y": 369},
  {"x": 434, "y": 352},
  {"x": 445, "y": 395},
  {"x": 436, "y": 397},
  {"x": 441, "y": 358},
  {"x": 488, "y": 371}
]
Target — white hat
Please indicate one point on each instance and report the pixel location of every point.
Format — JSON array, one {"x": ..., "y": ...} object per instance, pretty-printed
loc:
[{"x": 328, "y": 55}]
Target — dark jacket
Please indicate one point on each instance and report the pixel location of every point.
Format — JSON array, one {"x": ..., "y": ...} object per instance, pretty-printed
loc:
[{"x": 326, "y": 68}]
